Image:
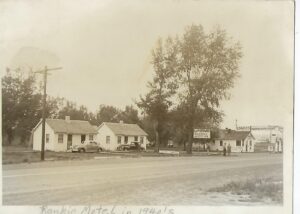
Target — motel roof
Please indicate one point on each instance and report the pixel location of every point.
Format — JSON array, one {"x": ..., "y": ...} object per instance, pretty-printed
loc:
[
  {"x": 70, "y": 126},
  {"x": 228, "y": 134},
  {"x": 125, "y": 129}
]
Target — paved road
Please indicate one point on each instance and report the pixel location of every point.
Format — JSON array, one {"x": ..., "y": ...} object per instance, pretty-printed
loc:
[{"x": 134, "y": 181}]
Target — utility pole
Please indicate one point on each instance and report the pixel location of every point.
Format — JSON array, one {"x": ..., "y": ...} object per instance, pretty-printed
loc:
[{"x": 45, "y": 74}]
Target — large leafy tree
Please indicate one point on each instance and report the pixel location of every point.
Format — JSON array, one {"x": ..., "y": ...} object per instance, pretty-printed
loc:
[
  {"x": 147, "y": 124},
  {"x": 157, "y": 101},
  {"x": 205, "y": 66},
  {"x": 129, "y": 115},
  {"x": 20, "y": 105},
  {"x": 68, "y": 108},
  {"x": 209, "y": 64},
  {"x": 206, "y": 118},
  {"x": 107, "y": 113}
]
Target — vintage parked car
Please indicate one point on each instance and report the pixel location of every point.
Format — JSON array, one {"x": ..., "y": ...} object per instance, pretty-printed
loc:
[
  {"x": 150, "y": 145},
  {"x": 134, "y": 146},
  {"x": 89, "y": 146}
]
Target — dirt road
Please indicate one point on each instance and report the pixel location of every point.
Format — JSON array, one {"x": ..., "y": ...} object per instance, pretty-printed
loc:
[{"x": 132, "y": 181}]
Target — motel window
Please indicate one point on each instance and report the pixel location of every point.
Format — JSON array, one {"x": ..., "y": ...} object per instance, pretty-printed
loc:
[
  {"x": 126, "y": 139},
  {"x": 47, "y": 138},
  {"x": 136, "y": 138},
  {"x": 60, "y": 138},
  {"x": 107, "y": 139},
  {"x": 119, "y": 139},
  {"x": 238, "y": 143},
  {"x": 91, "y": 137},
  {"x": 142, "y": 139},
  {"x": 221, "y": 142}
]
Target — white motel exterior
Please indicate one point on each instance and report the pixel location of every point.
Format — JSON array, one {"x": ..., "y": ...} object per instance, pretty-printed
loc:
[
  {"x": 61, "y": 134},
  {"x": 240, "y": 141},
  {"x": 112, "y": 135}
]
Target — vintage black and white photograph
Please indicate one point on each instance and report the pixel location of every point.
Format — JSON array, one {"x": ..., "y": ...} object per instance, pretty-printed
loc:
[{"x": 147, "y": 103}]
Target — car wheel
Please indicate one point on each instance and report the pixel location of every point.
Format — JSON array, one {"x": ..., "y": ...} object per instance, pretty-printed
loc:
[
  {"x": 81, "y": 150},
  {"x": 99, "y": 150}
]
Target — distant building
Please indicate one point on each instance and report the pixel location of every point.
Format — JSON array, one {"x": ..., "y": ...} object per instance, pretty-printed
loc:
[
  {"x": 268, "y": 138},
  {"x": 240, "y": 141},
  {"x": 61, "y": 134},
  {"x": 112, "y": 135}
]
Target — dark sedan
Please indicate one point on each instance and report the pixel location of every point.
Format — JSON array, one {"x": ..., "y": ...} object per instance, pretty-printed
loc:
[{"x": 134, "y": 146}]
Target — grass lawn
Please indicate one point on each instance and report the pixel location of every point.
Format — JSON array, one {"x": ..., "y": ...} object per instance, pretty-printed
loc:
[
  {"x": 258, "y": 189},
  {"x": 19, "y": 154},
  {"x": 24, "y": 155}
]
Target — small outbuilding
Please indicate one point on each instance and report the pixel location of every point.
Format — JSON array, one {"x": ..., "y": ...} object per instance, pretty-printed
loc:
[
  {"x": 61, "y": 134},
  {"x": 112, "y": 135},
  {"x": 240, "y": 141}
]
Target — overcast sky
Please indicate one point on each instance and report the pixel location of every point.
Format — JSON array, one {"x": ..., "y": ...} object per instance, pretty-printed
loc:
[{"x": 104, "y": 48}]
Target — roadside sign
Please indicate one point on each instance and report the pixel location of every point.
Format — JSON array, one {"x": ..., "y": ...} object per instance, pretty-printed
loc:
[{"x": 202, "y": 133}]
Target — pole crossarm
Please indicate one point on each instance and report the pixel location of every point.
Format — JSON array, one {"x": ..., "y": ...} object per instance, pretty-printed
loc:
[{"x": 47, "y": 69}]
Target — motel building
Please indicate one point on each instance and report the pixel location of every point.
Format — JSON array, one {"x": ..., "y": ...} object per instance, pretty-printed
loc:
[
  {"x": 112, "y": 135},
  {"x": 240, "y": 141},
  {"x": 61, "y": 134}
]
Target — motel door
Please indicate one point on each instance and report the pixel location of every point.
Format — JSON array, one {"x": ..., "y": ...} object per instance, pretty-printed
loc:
[{"x": 69, "y": 144}]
